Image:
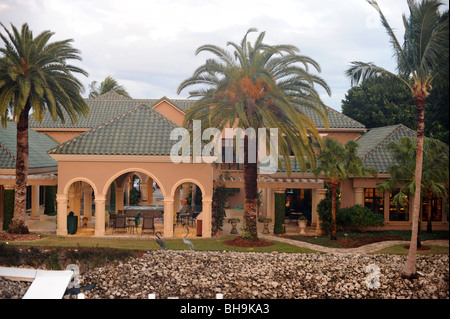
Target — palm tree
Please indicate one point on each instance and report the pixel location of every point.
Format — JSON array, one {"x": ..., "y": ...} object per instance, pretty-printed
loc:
[
  {"x": 435, "y": 172},
  {"x": 109, "y": 84},
  {"x": 35, "y": 76},
  {"x": 259, "y": 86},
  {"x": 420, "y": 59},
  {"x": 338, "y": 163}
]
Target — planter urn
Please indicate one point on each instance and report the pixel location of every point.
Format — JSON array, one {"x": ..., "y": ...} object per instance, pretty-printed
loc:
[{"x": 302, "y": 225}]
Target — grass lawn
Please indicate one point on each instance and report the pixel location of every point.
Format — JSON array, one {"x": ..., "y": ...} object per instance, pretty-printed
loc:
[
  {"x": 215, "y": 244},
  {"x": 400, "y": 250},
  {"x": 356, "y": 239}
]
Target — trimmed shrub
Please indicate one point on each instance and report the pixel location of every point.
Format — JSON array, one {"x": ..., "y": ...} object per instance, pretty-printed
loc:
[
  {"x": 280, "y": 204},
  {"x": 359, "y": 218},
  {"x": 50, "y": 195}
]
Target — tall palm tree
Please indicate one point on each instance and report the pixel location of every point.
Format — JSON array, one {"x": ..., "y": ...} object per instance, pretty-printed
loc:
[
  {"x": 420, "y": 59},
  {"x": 435, "y": 172},
  {"x": 35, "y": 76},
  {"x": 108, "y": 84},
  {"x": 259, "y": 86},
  {"x": 338, "y": 163}
]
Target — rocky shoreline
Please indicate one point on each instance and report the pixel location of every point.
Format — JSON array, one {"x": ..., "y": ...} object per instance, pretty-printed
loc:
[{"x": 201, "y": 275}]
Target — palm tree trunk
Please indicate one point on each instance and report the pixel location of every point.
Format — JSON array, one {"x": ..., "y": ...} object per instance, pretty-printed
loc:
[
  {"x": 333, "y": 210},
  {"x": 251, "y": 196},
  {"x": 409, "y": 270},
  {"x": 20, "y": 192}
]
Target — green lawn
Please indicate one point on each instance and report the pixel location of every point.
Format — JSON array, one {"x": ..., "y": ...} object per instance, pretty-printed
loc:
[
  {"x": 356, "y": 239},
  {"x": 400, "y": 250},
  {"x": 215, "y": 244}
]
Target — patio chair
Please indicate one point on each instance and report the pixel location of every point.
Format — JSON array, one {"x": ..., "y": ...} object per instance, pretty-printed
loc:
[
  {"x": 148, "y": 223},
  {"x": 112, "y": 219},
  {"x": 120, "y": 222}
]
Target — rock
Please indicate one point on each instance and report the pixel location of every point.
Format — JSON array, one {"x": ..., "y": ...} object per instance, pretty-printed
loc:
[{"x": 236, "y": 275}]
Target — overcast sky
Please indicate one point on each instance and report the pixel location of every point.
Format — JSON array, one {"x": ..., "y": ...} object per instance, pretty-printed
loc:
[{"x": 149, "y": 46}]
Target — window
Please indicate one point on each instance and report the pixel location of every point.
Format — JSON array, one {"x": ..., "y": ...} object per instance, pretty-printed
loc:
[
  {"x": 398, "y": 213},
  {"x": 436, "y": 209},
  {"x": 374, "y": 200}
]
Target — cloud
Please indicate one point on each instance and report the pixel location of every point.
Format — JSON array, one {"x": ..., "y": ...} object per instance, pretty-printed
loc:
[{"x": 149, "y": 46}]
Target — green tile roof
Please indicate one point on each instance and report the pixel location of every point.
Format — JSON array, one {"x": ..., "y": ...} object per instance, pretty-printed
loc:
[
  {"x": 102, "y": 109},
  {"x": 138, "y": 131},
  {"x": 38, "y": 145},
  {"x": 111, "y": 104},
  {"x": 335, "y": 119},
  {"x": 373, "y": 145}
]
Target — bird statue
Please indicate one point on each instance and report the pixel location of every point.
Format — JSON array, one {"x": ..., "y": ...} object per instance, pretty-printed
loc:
[
  {"x": 187, "y": 242},
  {"x": 160, "y": 241}
]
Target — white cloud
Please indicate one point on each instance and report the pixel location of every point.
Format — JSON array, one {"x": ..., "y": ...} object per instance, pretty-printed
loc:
[{"x": 149, "y": 46}]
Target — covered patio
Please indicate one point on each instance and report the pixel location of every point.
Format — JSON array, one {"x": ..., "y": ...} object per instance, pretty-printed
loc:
[{"x": 138, "y": 142}]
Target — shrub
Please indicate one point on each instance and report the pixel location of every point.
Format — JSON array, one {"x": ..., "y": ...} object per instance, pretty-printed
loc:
[
  {"x": 354, "y": 218},
  {"x": 50, "y": 194},
  {"x": 280, "y": 204},
  {"x": 359, "y": 218},
  {"x": 324, "y": 212}
]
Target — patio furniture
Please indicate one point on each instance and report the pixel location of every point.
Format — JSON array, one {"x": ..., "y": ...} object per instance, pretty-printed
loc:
[
  {"x": 120, "y": 222},
  {"x": 187, "y": 217},
  {"x": 148, "y": 223},
  {"x": 112, "y": 219}
]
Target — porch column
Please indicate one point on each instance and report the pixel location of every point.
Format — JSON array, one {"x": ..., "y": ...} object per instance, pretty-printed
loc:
[
  {"x": 270, "y": 204},
  {"x": 100, "y": 201},
  {"x": 119, "y": 198},
  {"x": 206, "y": 216},
  {"x": 321, "y": 194},
  {"x": 144, "y": 194},
  {"x": 359, "y": 196},
  {"x": 61, "y": 227},
  {"x": 34, "y": 202},
  {"x": 168, "y": 217},
  {"x": 77, "y": 208},
  {"x": 87, "y": 199},
  {"x": 149, "y": 191},
  {"x": 263, "y": 208}
]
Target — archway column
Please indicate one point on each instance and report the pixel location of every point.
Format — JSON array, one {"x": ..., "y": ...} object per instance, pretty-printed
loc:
[
  {"x": 100, "y": 201},
  {"x": 168, "y": 217},
  {"x": 119, "y": 198},
  {"x": 87, "y": 198},
  {"x": 34, "y": 202},
  {"x": 61, "y": 228},
  {"x": 206, "y": 216}
]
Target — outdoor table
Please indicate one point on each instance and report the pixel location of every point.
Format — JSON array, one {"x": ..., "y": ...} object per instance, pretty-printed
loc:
[{"x": 185, "y": 216}]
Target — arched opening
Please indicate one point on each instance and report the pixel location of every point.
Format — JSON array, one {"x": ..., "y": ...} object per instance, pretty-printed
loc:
[
  {"x": 81, "y": 210},
  {"x": 134, "y": 204},
  {"x": 187, "y": 207}
]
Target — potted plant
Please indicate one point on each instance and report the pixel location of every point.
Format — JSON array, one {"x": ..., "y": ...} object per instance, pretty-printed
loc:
[
  {"x": 302, "y": 221},
  {"x": 266, "y": 221},
  {"x": 233, "y": 222}
]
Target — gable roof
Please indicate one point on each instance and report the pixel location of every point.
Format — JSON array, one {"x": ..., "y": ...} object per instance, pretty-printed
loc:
[
  {"x": 111, "y": 105},
  {"x": 138, "y": 131},
  {"x": 38, "y": 145},
  {"x": 373, "y": 145},
  {"x": 103, "y": 108},
  {"x": 336, "y": 119}
]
